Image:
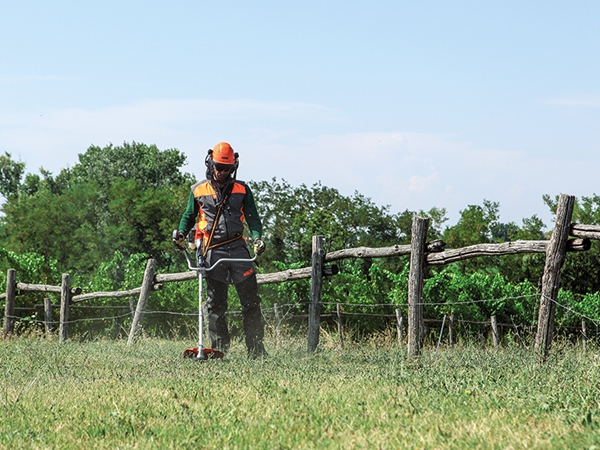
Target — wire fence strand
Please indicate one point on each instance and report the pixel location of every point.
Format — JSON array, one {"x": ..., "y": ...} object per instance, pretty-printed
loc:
[{"x": 292, "y": 308}]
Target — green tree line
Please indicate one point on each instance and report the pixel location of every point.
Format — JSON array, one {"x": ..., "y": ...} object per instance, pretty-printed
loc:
[{"x": 100, "y": 219}]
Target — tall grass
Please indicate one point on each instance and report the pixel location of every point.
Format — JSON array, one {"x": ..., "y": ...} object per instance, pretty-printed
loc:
[{"x": 104, "y": 394}]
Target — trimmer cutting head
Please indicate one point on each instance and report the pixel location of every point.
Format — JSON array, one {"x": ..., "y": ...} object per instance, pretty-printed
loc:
[{"x": 207, "y": 353}]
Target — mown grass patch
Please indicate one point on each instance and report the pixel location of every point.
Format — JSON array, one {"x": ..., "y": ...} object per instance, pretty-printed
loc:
[{"x": 108, "y": 395}]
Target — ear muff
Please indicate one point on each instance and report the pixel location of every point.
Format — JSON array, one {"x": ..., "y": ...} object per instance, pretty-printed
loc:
[{"x": 209, "y": 162}]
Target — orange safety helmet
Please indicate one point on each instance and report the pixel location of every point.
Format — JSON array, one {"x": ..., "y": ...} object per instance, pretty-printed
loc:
[{"x": 223, "y": 154}]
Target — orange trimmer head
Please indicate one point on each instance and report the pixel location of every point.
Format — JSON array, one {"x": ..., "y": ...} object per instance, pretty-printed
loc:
[{"x": 207, "y": 353}]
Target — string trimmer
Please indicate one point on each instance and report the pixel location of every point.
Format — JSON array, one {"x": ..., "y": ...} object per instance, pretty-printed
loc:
[{"x": 206, "y": 353}]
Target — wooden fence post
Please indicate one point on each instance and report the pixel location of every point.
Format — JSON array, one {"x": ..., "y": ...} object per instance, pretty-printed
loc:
[
  {"x": 555, "y": 257},
  {"x": 117, "y": 328},
  {"x": 415, "y": 285},
  {"x": 583, "y": 334},
  {"x": 451, "y": 329},
  {"x": 495, "y": 335},
  {"x": 65, "y": 300},
  {"x": 48, "y": 315},
  {"x": 143, "y": 299},
  {"x": 316, "y": 289},
  {"x": 9, "y": 305},
  {"x": 338, "y": 311},
  {"x": 399, "y": 326},
  {"x": 277, "y": 324}
]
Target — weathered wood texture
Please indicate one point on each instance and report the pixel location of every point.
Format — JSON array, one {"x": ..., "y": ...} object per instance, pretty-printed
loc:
[
  {"x": 48, "y": 315},
  {"x": 28, "y": 287},
  {"x": 367, "y": 252},
  {"x": 383, "y": 252},
  {"x": 261, "y": 278},
  {"x": 399, "y": 326},
  {"x": 65, "y": 300},
  {"x": 495, "y": 335},
  {"x": 316, "y": 289},
  {"x": 9, "y": 305},
  {"x": 338, "y": 311},
  {"x": 116, "y": 294},
  {"x": 504, "y": 248},
  {"x": 585, "y": 231},
  {"x": 415, "y": 285},
  {"x": 555, "y": 257},
  {"x": 286, "y": 275},
  {"x": 147, "y": 283},
  {"x": 451, "y": 329}
]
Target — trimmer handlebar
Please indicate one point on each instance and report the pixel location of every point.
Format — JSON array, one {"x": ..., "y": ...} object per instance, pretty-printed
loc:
[
  {"x": 208, "y": 269},
  {"x": 177, "y": 235}
]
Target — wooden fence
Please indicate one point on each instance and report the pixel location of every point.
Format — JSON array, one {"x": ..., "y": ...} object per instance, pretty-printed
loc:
[{"x": 566, "y": 236}]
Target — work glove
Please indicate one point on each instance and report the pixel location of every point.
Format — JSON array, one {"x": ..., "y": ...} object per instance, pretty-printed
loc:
[
  {"x": 178, "y": 240},
  {"x": 259, "y": 246}
]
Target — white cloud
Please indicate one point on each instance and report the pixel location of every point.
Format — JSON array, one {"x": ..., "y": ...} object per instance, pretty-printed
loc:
[
  {"x": 418, "y": 183},
  {"x": 403, "y": 169}
]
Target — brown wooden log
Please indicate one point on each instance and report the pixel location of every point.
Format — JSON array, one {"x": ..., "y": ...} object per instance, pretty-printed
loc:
[
  {"x": 316, "y": 288},
  {"x": 9, "y": 304},
  {"x": 28, "y": 287},
  {"x": 65, "y": 300},
  {"x": 147, "y": 283},
  {"x": 48, "y": 315},
  {"x": 474, "y": 251},
  {"x": 338, "y": 311},
  {"x": 277, "y": 324},
  {"x": 495, "y": 335},
  {"x": 451, "y": 329},
  {"x": 261, "y": 278},
  {"x": 415, "y": 286},
  {"x": 170, "y": 277},
  {"x": 585, "y": 231},
  {"x": 367, "y": 252},
  {"x": 114, "y": 294},
  {"x": 286, "y": 275},
  {"x": 555, "y": 257},
  {"x": 399, "y": 326}
]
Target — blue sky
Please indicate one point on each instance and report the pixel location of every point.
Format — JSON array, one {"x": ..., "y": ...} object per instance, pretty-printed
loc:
[{"x": 413, "y": 104}]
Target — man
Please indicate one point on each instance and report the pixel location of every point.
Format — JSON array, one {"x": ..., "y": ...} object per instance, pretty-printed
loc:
[{"x": 218, "y": 206}]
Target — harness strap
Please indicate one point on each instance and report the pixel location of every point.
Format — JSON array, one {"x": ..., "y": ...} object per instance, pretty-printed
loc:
[
  {"x": 216, "y": 221},
  {"x": 225, "y": 242}
]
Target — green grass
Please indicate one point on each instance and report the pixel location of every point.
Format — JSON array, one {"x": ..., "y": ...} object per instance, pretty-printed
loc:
[{"x": 104, "y": 394}]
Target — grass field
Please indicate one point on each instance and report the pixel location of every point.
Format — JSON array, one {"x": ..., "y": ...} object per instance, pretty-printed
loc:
[{"x": 104, "y": 394}]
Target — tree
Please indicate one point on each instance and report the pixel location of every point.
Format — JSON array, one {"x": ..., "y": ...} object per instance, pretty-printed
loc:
[
  {"x": 147, "y": 165},
  {"x": 11, "y": 173},
  {"x": 121, "y": 198}
]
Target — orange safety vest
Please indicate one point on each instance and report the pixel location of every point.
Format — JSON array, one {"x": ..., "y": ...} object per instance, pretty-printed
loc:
[{"x": 230, "y": 211}]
